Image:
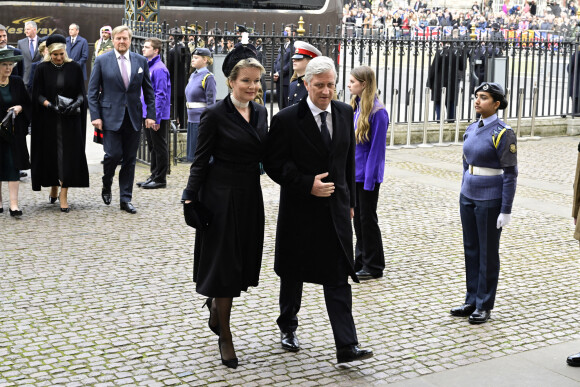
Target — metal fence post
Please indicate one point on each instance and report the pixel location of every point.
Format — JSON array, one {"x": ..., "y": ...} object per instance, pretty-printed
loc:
[
  {"x": 411, "y": 103},
  {"x": 394, "y": 118},
  {"x": 458, "y": 117},
  {"x": 520, "y": 109},
  {"x": 442, "y": 116},
  {"x": 534, "y": 108},
  {"x": 426, "y": 120}
]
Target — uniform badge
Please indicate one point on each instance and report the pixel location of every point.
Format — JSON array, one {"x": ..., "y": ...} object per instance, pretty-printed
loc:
[
  {"x": 485, "y": 87},
  {"x": 513, "y": 148}
]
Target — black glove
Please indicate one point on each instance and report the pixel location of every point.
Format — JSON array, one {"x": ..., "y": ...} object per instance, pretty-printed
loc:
[
  {"x": 52, "y": 107},
  {"x": 73, "y": 107}
]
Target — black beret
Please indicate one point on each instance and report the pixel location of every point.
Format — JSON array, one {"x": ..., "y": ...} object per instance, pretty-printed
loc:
[
  {"x": 240, "y": 51},
  {"x": 56, "y": 38},
  {"x": 494, "y": 89},
  {"x": 201, "y": 51}
]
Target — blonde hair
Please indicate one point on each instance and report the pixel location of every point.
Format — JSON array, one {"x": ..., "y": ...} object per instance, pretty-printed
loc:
[
  {"x": 368, "y": 102},
  {"x": 242, "y": 64},
  {"x": 120, "y": 29},
  {"x": 56, "y": 47}
]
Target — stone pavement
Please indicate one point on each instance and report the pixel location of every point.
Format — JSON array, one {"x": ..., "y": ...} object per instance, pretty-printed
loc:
[{"x": 103, "y": 298}]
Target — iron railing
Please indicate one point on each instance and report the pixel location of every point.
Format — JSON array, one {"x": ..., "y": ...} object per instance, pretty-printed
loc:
[{"x": 404, "y": 65}]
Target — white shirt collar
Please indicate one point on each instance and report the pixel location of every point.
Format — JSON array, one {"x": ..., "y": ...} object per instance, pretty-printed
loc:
[
  {"x": 118, "y": 54},
  {"x": 315, "y": 109}
]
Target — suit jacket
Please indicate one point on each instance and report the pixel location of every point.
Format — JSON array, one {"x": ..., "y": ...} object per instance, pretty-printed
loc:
[
  {"x": 313, "y": 233},
  {"x": 576, "y": 205},
  {"x": 79, "y": 52},
  {"x": 23, "y": 46},
  {"x": 108, "y": 97},
  {"x": 283, "y": 67}
]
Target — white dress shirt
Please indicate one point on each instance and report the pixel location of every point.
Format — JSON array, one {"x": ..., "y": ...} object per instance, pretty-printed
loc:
[
  {"x": 127, "y": 63},
  {"x": 316, "y": 113}
]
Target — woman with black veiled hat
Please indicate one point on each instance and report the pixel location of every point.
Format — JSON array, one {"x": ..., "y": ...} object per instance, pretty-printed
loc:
[
  {"x": 58, "y": 132},
  {"x": 487, "y": 192},
  {"x": 228, "y": 251},
  {"x": 13, "y": 149}
]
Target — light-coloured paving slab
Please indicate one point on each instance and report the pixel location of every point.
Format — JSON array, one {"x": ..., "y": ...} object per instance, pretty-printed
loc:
[{"x": 100, "y": 297}]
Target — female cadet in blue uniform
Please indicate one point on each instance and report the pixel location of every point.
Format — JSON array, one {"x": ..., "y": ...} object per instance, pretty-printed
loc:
[
  {"x": 200, "y": 93},
  {"x": 487, "y": 193},
  {"x": 303, "y": 53}
]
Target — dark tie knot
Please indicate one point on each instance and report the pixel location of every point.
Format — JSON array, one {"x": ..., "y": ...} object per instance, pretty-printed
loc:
[
  {"x": 480, "y": 123},
  {"x": 323, "y": 117}
]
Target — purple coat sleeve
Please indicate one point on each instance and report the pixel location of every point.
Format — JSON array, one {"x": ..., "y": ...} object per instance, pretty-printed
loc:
[
  {"x": 162, "y": 93},
  {"x": 375, "y": 165}
]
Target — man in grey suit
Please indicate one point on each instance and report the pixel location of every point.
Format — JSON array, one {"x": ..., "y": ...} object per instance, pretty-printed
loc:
[
  {"x": 77, "y": 48},
  {"x": 29, "y": 48},
  {"x": 114, "y": 96}
]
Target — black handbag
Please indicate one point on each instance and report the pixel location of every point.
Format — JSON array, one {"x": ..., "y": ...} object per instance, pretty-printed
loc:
[
  {"x": 197, "y": 215},
  {"x": 64, "y": 102},
  {"x": 7, "y": 127}
]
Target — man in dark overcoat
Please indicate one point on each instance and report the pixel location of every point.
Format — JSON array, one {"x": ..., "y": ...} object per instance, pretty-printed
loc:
[
  {"x": 310, "y": 153},
  {"x": 574, "y": 82},
  {"x": 443, "y": 72}
]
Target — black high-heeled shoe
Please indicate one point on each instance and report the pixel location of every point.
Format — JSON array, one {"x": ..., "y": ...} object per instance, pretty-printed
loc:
[
  {"x": 52, "y": 200},
  {"x": 65, "y": 210},
  {"x": 214, "y": 329},
  {"x": 232, "y": 363},
  {"x": 15, "y": 212}
]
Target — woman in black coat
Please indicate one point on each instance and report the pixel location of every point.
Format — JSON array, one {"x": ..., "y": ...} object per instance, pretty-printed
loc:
[
  {"x": 58, "y": 134},
  {"x": 225, "y": 178},
  {"x": 13, "y": 150}
]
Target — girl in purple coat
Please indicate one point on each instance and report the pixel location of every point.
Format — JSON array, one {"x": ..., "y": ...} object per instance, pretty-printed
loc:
[{"x": 371, "y": 122}]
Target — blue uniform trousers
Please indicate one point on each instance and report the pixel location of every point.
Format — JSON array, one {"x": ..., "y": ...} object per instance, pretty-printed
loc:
[{"x": 481, "y": 246}]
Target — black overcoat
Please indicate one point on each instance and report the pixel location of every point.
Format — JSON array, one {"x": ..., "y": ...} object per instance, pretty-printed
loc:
[
  {"x": 313, "y": 233},
  {"x": 228, "y": 254},
  {"x": 57, "y": 145},
  {"x": 18, "y": 147},
  {"x": 444, "y": 72}
]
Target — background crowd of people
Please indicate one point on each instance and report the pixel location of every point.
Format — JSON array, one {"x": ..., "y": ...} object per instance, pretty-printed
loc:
[{"x": 404, "y": 18}]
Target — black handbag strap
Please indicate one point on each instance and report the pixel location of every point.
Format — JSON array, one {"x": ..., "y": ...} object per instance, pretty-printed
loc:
[{"x": 11, "y": 114}]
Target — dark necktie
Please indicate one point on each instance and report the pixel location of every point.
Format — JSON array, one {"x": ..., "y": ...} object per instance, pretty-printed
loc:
[
  {"x": 72, "y": 41},
  {"x": 324, "y": 130},
  {"x": 480, "y": 123},
  {"x": 32, "y": 48}
]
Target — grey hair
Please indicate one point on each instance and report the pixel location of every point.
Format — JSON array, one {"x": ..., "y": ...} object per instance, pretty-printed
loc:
[
  {"x": 75, "y": 25},
  {"x": 319, "y": 65},
  {"x": 31, "y": 23},
  {"x": 2, "y": 27}
]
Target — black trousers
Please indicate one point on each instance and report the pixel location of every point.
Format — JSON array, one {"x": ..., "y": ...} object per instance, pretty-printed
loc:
[
  {"x": 282, "y": 94},
  {"x": 481, "y": 247},
  {"x": 157, "y": 144},
  {"x": 121, "y": 145},
  {"x": 338, "y": 299},
  {"x": 369, "y": 254}
]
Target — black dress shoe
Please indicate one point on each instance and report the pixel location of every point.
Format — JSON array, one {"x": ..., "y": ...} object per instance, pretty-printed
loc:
[
  {"x": 153, "y": 185},
  {"x": 352, "y": 353},
  {"x": 127, "y": 206},
  {"x": 574, "y": 360},
  {"x": 65, "y": 210},
  {"x": 289, "y": 341},
  {"x": 364, "y": 275},
  {"x": 52, "y": 200},
  {"x": 142, "y": 183},
  {"x": 463, "y": 310},
  {"x": 479, "y": 316},
  {"x": 106, "y": 195}
]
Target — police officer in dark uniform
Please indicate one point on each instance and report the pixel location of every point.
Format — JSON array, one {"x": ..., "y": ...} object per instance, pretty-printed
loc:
[
  {"x": 303, "y": 53},
  {"x": 487, "y": 193}
]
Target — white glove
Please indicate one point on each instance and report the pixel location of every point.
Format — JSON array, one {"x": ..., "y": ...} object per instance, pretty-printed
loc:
[{"x": 503, "y": 220}]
